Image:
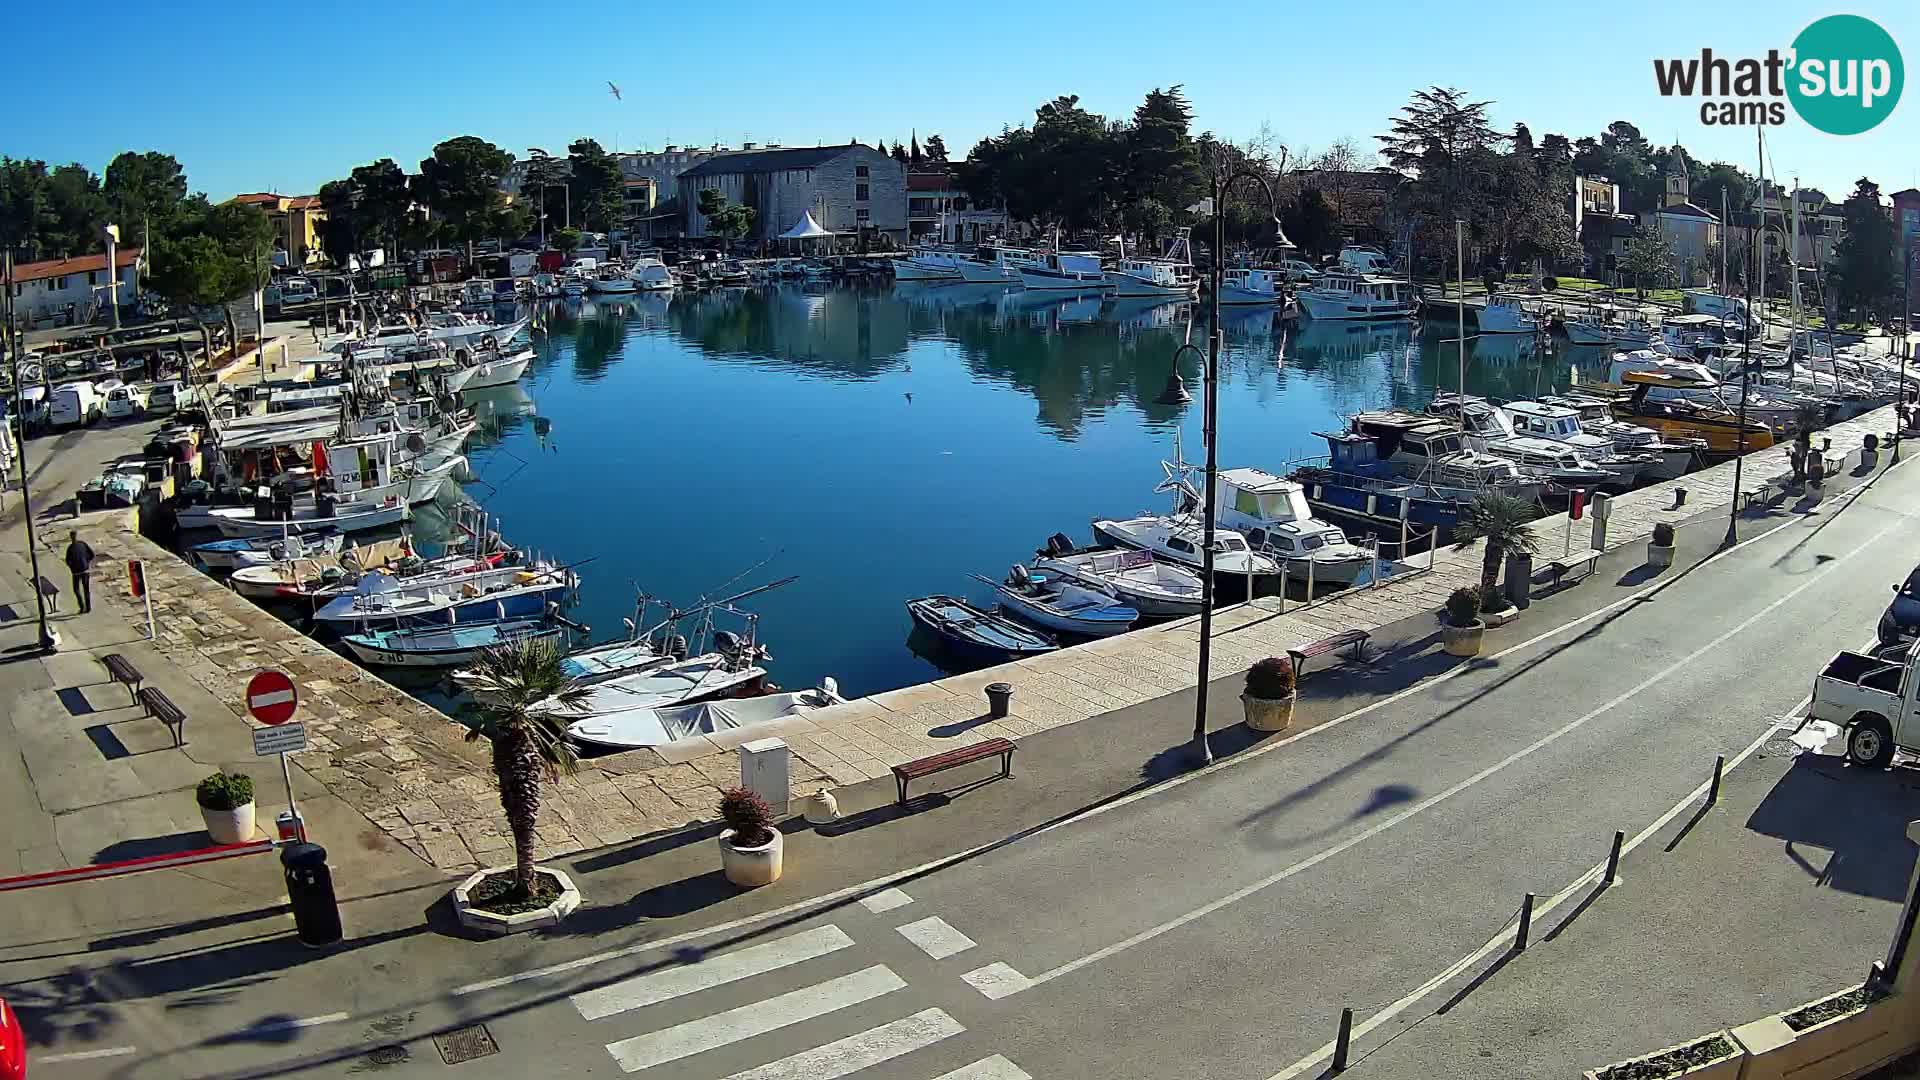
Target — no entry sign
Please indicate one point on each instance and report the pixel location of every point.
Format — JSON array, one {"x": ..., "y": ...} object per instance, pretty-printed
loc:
[{"x": 271, "y": 697}]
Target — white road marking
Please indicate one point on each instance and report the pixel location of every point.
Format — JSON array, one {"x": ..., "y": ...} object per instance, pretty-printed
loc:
[
  {"x": 722, "y": 1029},
  {"x": 1423, "y": 805},
  {"x": 84, "y": 1055},
  {"x": 996, "y": 981},
  {"x": 856, "y": 1052},
  {"x": 658, "y": 986},
  {"x": 885, "y": 900},
  {"x": 883, "y": 881},
  {"x": 992, "y": 1068},
  {"x": 936, "y": 937},
  {"x": 1504, "y": 939},
  {"x": 295, "y": 1023}
]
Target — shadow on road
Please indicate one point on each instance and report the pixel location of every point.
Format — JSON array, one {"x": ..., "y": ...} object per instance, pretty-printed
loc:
[{"x": 1857, "y": 816}]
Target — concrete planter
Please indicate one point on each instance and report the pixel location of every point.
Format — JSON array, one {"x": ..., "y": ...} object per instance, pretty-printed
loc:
[
  {"x": 1462, "y": 640},
  {"x": 1870, "y": 458},
  {"x": 1268, "y": 714},
  {"x": 1659, "y": 557},
  {"x": 233, "y": 826},
  {"x": 1726, "y": 1067},
  {"x": 751, "y": 867},
  {"x": 1845, "y": 1045},
  {"x": 1501, "y": 617},
  {"x": 820, "y": 808},
  {"x": 498, "y": 923}
]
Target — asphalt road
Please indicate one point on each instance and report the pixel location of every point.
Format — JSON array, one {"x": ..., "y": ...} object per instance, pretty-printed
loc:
[{"x": 1209, "y": 927}]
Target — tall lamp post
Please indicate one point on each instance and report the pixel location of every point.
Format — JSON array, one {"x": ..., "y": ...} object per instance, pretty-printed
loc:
[
  {"x": 1906, "y": 346},
  {"x": 1176, "y": 393},
  {"x": 111, "y": 234},
  {"x": 49, "y": 639}
]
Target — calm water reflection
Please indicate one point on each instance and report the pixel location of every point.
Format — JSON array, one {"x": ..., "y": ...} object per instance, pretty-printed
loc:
[{"x": 885, "y": 443}]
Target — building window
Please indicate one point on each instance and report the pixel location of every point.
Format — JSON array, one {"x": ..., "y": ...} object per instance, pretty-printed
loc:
[
  {"x": 860, "y": 171},
  {"x": 93, "y": 277},
  {"x": 861, "y": 214},
  {"x": 58, "y": 283},
  {"x": 859, "y": 193}
]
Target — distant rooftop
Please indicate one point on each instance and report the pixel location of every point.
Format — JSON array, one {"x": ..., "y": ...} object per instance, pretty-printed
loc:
[
  {"x": 79, "y": 264},
  {"x": 762, "y": 161}
]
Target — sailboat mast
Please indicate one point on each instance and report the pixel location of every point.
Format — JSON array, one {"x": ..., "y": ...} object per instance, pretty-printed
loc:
[
  {"x": 1460, "y": 307},
  {"x": 1793, "y": 258},
  {"x": 1760, "y": 140}
]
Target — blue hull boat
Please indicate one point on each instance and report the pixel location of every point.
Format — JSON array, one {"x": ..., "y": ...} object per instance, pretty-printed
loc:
[
  {"x": 981, "y": 635},
  {"x": 447, "y": 646}
]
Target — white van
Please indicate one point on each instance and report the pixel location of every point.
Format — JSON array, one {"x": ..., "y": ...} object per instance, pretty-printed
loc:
[
  {"x": 1364, "y": 260},
  {"x": 1725, "y": 308},
  {"x": 166, "y": 397},
  {"x": 74, "y": 404},
  {"x": 126, "y": 402},
  {"x": 297, "y": 290}
]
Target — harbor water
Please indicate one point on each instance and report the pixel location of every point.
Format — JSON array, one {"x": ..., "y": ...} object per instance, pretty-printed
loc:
[{"x": 886, "y": 442}]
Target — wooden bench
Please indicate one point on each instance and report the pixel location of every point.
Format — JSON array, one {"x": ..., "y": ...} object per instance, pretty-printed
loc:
[
  {"x": 1565, "y": 564},
  {"x": 161, "y": 707},
  {"x": 51, "y": 591},
  {"x": 927, "y": 766},
  {"x": 122, "y": 671},
  {"x": 1324, "y": 646}
]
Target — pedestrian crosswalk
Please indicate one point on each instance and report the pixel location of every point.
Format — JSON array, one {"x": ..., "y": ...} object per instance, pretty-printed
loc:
[{"x": 851, "y": 1015}]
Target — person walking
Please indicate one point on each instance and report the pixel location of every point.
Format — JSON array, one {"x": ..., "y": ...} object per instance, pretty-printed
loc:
[{"x": 80, "y": 563}]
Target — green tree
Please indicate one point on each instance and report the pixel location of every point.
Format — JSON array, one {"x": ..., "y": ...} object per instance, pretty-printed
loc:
[
  {"x": 76, "y": 210},
  {"x": 1448, "y": 143},
  {"x": 382, "y": 200},
  {"x": 1650, "y": 261},
  {"x": 566, "y": 241},
  {"x": 936, "y": 149},
  {"x": 1501, "y": 521},
  {"x": 1528, "y": 217},
  {"x": 340, "y": 236},
  {"x": 461, "y": 182},
  {"x": 521, "y": 688},
  {"x": 144, "y": 190},
  {"x": 23, "y": 205},
  {"x": 1159, "y": 161},
  {"x": 727, "y": 220},
  {"x": 546, "y": 185},
  {"x": 899, "y": 153},
  {"x": 1866, "y": 264},
  {"x": 1721, "y": 178},
  {"x": 596, "y": 184},
  {"x": 1311, "y": 223}
]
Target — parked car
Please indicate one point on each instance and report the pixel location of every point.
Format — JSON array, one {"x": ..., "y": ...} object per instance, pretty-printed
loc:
[
  {"x": 13, "y": 1045},
  {"x": 1298, "y": 272},
  {"x": 1901, "y": 621},
  {"x": 1872, "y": 699},
  {"x": 75, "y": 404},
  {"x": 126, "y": 402},
  {"x": 167, "y": 396},
  {"x": 297, "y": 290}
]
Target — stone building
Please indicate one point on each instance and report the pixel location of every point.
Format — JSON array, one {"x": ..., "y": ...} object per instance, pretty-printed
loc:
[
  {"x": 1691, "y": 230},
  {"x": 849, "y": 189}
]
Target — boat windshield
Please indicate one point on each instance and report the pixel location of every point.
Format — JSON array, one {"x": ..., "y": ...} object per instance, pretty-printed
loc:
[{"x": 1228, "y": 543}]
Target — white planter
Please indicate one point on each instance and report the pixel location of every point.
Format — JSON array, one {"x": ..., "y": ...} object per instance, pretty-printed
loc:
[
  {"x": 233, "y": 826},
  {"x": 499, "y": 923},
  {"x": 820, "y": 808},
  {"x": 1268, "y": 714},
  {"x": 1659, "y": 557},
  {"x": 1462, "y": 640},
  {"x": 751, "y": 867}
]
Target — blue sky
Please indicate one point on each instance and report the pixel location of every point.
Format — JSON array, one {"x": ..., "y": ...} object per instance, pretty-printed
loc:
[{"x": 253, "y": 97}]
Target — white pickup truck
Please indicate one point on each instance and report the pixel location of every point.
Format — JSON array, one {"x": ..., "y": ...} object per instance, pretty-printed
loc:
[{"x": 1875, "y": 701}]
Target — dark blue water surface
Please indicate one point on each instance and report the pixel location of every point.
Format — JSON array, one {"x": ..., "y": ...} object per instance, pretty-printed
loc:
[{"x": 884, "y": 443}]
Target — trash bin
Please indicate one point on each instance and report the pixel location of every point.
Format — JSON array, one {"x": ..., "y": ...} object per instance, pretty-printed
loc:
[
  {"x": 1520, "y": 579},
  {"x": 999, "y": 699},
  {"x": 316, "y": 914}
]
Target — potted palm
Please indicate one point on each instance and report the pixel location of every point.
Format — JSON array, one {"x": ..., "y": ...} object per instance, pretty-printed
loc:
[
  {"x": 750, "y": 847},
  {"x": 530, "y": 749},
  {"x": 226, "y": 806},
  {"x": 1269, "y": 695},
  {"x": 1660, "y": 547},
  {"x": 1500, "y": 521},
  {"x": 1461, "y": 629}
]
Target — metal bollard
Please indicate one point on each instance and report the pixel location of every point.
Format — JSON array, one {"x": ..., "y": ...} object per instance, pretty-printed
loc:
[
  {"x": 1343, "y": 1043},
  {"x": 1286, "y": 572},
  {"x": 1613, "y": 859},
  {"x": 1719, "y": 766},
  {"x": 1526, "y": 924},
  {"x": 1310, "y": 565}
]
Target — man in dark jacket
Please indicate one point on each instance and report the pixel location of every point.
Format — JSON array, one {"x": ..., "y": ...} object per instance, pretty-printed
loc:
[{"x": 80, "y": 562}]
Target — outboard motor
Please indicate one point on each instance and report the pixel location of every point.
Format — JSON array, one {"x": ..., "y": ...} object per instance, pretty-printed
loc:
[
  {"x": 727, "y": 644},
  {"x": 323, "y": 504},
  {"x": 676, "y": 646},
  {"x": 263, "y": 503},
  {"x": 1018, "y": 577},
  {"x": 1058, "y": 544},
  {"x": 283, "y": 503}
]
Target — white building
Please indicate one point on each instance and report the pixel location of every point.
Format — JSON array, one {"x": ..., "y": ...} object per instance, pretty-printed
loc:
[
  {"x": 938, "y": 210},
  {"x": 75, "y": 288},
  {"x": 849, "y": 189}
]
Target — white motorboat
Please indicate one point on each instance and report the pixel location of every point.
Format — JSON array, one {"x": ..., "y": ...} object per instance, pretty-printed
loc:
[
  {"x": 1347, "y": 294},
  {"x": 573, "y": 285},
  {"x": 698, "y": 678},
  {"x": 1252, "y": 285},
  {"x": 651, "y": 275},
  {"x": 1077, "y": 271},
  {"x": 596, "y": 664},
  {"x": 1177, "y": 538},
  {"x": 1491, "y": 431},
  {"x": 444, "y": 646},
  {"x": 995, "y": 265},
  {"x": 612, "y": 279},
  {"x": 1434, "y": 452},
  {"x": 501, "y": 371},
  {"x": 928, "y": 264},
  {"x": 1505, "y": 314},
  {"x": 480, "y": 594},
  {"x": 1135, "y": 578},
  {"x": 1676, "y": 457},
  {"x": 347, "y": 514},
  {"x": 248, "y": 551},
  {"x": 1272, "y": 512},
  {"x": 1065, "y": 606},
  {"x": 1167, "y": 277},
  {"x": 631, "y": 729},
  {"x": 1560, "y": 424}
]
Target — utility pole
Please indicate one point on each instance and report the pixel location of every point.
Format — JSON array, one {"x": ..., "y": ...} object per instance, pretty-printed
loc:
[{"x": 49, "y": 639}]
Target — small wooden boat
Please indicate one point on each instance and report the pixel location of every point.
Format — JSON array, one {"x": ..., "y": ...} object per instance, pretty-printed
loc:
[
  {"x": 635, "y": 728},
  {"x": 1135, "y": 578},
  {"x": 247, "y": 551},
  {"x": 966, "y": 629},
  {"x": 1063, "y": 606},
  {"x": 448, "y": 646}
]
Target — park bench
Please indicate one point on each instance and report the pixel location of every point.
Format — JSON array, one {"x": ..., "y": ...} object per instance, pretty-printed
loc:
[
  {"x": 927, "y": 766},
  {"x": 51, "y": 591},
  {"x": 161, "y": 707},
  {"x": 1324, "y": 646},
  {"x": 122, "y": 671},
  {"x": 1566, "y": 564}
]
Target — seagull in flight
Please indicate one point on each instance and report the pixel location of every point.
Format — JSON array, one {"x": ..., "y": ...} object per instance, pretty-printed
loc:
[{"x": 614, "y": 90}]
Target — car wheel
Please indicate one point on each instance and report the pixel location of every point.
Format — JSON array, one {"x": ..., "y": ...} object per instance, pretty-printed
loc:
[{"x": 1870, "y": 743}]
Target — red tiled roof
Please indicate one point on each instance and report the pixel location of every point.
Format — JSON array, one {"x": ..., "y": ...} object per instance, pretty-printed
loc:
[
  {"x": 258, "y": 198},
  {"x": 79, "y": 264},
  {"x": 270, "y": 199},
  {"x": 303, "y": 202},
  {"x": 929, "y": 182}
]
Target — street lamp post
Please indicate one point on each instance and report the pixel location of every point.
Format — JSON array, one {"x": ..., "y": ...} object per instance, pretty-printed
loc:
[
  {"x": 1740, "y": 435},
  {"x": 49, "y": 640},
  {"x": 1210, "y": 416},
  {"x": 1906, "y": 347},
  {"x": 111, "y": 234}
]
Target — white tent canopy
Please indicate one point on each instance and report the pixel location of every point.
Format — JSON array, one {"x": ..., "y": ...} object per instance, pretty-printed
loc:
[{"x": 805, "y": 229}]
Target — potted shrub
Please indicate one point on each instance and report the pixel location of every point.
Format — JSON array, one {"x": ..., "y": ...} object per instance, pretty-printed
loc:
[
  {"x": 1268, "y": 698},
  {"x": 1461, "y": 631},
  {"x": 226, "y": 806},
  {"x": 1660, "y": 547},
  {"x": 750, "y": 847}
]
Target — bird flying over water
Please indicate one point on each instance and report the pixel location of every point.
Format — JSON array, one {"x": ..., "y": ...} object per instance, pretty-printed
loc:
[{"x": 614, "y": 90}]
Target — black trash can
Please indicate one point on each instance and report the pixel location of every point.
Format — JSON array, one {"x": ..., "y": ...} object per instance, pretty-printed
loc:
[
  {"x": 1520, "y": 579},
  {"x": 999, "y": 699},
  {"x": 316, "y": 914}
]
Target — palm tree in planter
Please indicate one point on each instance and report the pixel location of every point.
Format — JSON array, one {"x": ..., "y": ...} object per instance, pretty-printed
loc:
[
  {"x": 1501, "y": 521},
  {"x": 529, "y": 748},
  {"x": 1269, "y": 695}
]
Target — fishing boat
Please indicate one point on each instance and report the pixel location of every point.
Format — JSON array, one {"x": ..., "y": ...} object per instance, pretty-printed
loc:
[
  {"x": 1150, "y": 586},
  {"x": 632, "y": 729},
  {"x": 1072, "y": 270},
  {"x": 1491, "y": 431},
  {"x": 975, "y": 634},
  {"x": 1178, "y": 538},
  {"x": 1505, "y": 314},
  {"x": 928, "y": 264},
  {"x": 995, "y": 265},
  {"x": 345, "y": 513},
  {"x": 1062, "y": 606},
  {"x": 1348, "y": 294},
  {"x": 612, "y": 279},
  {"x": 1252, "y": 285},
  {"x": 247, "y": 551},
  {"x": 445, "y": 646},
  {"x": 1277, "y": 521},
  {"x": 501, "y": 371},
  {"x": 492, "y": 594},
  {"x": 1168, "y": 277}
]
